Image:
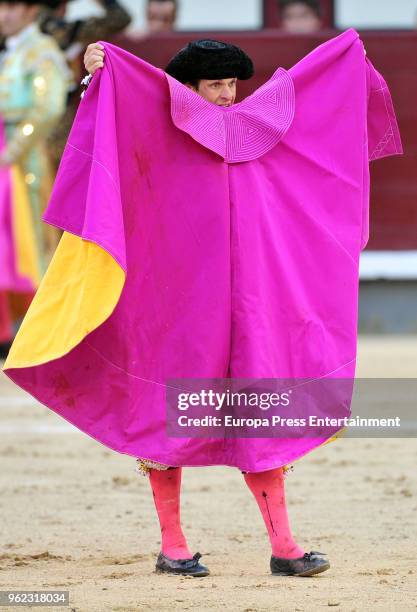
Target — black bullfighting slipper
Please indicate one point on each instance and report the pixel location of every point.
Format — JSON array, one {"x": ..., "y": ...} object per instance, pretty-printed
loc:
[
  {"x": 183, "y": 567},
  {"x": 307, "y": 565}
]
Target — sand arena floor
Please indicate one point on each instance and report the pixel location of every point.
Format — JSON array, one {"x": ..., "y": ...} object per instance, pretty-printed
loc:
[{"x": 75, "y": 516}]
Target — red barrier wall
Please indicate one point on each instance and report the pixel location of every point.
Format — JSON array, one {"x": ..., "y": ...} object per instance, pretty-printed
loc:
[{"x": 393, "y": 53}]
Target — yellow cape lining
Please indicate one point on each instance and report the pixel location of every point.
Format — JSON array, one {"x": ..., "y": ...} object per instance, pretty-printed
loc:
[
  {"x": 77, "y": 294},
  {"x": 79, "y": 291}
]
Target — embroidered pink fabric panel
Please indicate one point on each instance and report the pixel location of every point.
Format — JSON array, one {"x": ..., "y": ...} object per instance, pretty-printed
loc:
[{"x": 246, "y": 130}]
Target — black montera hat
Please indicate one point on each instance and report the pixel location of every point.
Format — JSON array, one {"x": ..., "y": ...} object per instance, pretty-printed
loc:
[{"x": 210, "y": 59}]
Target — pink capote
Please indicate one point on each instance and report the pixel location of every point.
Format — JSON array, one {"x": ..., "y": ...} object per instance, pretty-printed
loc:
[{"x": 240, "y": 231}]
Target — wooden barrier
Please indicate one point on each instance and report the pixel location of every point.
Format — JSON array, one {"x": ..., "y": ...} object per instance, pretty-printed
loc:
[{"x": 393, "y": 53}]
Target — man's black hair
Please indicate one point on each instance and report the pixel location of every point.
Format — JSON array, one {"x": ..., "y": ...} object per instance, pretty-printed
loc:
[
  {"x": 174, "y": 2},
  {"x": 314, "y": 5}
]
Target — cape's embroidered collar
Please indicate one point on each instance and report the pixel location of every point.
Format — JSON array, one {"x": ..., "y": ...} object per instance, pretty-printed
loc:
[{"x": 244, "y": 131}]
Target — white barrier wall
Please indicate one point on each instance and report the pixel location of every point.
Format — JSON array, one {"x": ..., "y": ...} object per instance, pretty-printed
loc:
[
  {"x": 247, "y": 14},
  {"x": 193, "y": 14},
  {"x": 376, "y": 13}
]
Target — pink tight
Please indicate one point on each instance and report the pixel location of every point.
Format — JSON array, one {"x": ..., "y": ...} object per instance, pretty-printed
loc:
[
  {"x": 166, "y": 488},
  {"x": 268, "y": 490}
]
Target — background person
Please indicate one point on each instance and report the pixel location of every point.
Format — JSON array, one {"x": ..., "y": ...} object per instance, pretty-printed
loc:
[
  {"x": 34, "y": 83},
  {"x": 300, "y": 16},
  {"x": 161, "y": 15},
  {"x": 73, "y": 37}
]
